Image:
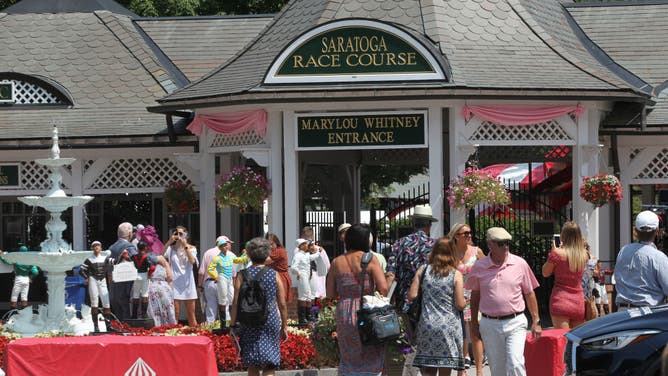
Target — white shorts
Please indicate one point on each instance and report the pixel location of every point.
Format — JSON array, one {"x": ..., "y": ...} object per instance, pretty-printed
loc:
[
  {"x": 304, "y": 292},
  {"x": 603, "y": 299},
  {"x": 224, "y": 290},
  {"x": 140, "y": 288},
  {"x": 98, "y": 290},
  {"x": 21, "y": 288}
]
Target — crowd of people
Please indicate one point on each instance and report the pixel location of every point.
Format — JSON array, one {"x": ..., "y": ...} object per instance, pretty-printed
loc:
[{"x": 467, "y": 298}]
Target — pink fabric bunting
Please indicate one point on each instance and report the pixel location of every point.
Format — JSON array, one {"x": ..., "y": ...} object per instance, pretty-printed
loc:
[
  {"x": 519, "y": 115},
  {"x": 231, "y": 123}
]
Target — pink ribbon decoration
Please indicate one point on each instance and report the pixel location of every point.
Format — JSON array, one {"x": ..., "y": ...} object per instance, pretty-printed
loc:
[
  {"x": 519, "y": 115},
  {"x": 231, "y": 123}
]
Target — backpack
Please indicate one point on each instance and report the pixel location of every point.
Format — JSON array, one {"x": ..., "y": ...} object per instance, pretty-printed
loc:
[{"x": 252, "y": 302}]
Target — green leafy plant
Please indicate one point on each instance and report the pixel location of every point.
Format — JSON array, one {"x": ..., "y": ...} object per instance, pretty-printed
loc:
[
  {"x": 476, "y": 187},
  {"x": 323, "y": 334},
  {"x": 601, "y": 189},
  {"x": 181, "y": 197},
  {"x": 243, "y": 188}
]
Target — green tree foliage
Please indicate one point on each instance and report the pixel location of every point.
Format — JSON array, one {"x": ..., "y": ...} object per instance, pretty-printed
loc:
[{"x": 173, "y": 8}]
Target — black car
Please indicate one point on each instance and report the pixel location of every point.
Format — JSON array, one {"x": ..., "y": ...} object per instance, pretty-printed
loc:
[{"x": 623, "y": 343}]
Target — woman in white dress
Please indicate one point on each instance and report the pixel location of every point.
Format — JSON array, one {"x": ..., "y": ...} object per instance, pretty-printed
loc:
[{"x": 181, "y": 256}]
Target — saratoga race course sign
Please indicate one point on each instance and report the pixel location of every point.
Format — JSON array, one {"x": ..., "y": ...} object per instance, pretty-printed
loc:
[
  {"x": 354, "y": 51},
  {"x": 376, "y": 130}
]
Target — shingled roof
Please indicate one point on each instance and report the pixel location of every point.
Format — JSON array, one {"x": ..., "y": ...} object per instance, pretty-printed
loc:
[
  {"x": 636, "y": 36},
  {"x": 99, "y": 59},
  {"x": 197, "y": 45},
  {"x": 527, "y": 47}
]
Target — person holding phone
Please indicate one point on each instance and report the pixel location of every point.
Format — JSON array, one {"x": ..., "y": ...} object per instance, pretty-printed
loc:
[
  {"x": 181, "y": 256},
  {"x": 567, "y": 261}
]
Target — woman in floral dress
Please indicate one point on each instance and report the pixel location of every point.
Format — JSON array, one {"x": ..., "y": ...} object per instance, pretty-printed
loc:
[
  {"x": 160, "y": 295},
  {"x": 439, "y": 331},
  {"x": 344, "y": 281}
]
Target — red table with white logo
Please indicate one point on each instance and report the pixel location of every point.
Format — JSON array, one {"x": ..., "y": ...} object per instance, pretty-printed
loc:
[{"x": 111, "y": 355}]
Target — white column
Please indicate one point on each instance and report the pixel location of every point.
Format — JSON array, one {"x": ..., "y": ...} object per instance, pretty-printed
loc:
[
  {"x": 207, "y": 189},
  {"x": 78, "y": 219},
  {"x": 291, "y": 184},
  {"x": 275, "y": 172},
  {"x": 585, "y": 163},
  {"x": 625, "y": 220},
  {"x": 460, "y": 149},
  {"x": 226, "y": 225},
  {"x": 435, "y": 136}
]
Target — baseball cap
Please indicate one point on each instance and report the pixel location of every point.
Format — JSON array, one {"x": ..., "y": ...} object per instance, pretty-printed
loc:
[
  {"x": 498, "y": 234},
  {"x": 344, "y": 227},
  {"x": 647, "y": 221},
  {"x": 301, "y": 241},
  {"x": 222, "y": 240},
  {"x": 95, "y": 243}
]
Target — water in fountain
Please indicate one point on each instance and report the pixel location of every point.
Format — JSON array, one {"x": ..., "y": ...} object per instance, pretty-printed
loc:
[{"x": 55, "y": 258}]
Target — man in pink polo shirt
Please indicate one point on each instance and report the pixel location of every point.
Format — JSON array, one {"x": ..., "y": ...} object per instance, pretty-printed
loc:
[{"x": 499, "y": 284}]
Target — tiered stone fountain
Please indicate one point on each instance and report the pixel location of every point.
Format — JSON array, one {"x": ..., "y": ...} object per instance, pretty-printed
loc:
[{"x": 56, "y": 256}]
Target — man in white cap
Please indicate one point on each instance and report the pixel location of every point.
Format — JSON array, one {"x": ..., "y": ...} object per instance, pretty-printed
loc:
[
  {"x": 207, "y": 285},
  {"x": 342, "y": 235},
  {"x": 500, "y": 283},
  {"x": 301, "y": 269},
  {"x": 221, "y": 269},
  {"x": 409, "y": 253},
  {"x": 95, "y": 270},
  {"x": 641, "y": 270}
]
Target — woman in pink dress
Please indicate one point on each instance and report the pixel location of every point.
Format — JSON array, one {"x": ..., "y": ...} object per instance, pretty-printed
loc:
[
  {"x": 567, "y": 263},
  {"x": 466, "y": 255}
]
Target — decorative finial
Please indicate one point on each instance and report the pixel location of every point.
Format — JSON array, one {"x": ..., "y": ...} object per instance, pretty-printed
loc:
[{"x": 55, "y": 149}]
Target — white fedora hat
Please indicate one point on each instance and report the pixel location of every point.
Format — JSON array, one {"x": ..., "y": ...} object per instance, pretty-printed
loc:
[{"x": 423, "y": 211}]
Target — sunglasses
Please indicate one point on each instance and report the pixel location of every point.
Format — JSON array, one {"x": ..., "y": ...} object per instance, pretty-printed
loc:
[
  {"x": 465, "y": 233},
  {"x": 503, "y": 243}
]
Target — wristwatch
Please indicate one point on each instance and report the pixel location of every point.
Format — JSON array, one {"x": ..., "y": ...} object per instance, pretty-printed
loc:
[{"x": 538, "y": 323}]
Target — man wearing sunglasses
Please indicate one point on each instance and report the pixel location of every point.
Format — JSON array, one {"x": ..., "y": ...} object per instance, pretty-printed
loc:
[{"x": 500, "y": 283}]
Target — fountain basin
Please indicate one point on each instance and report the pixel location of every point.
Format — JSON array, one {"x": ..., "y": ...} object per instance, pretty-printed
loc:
[
  {"x": 55, "y": 162},
  {"x": 55, "y": 204},
  {"x": 59, "y": 262}
]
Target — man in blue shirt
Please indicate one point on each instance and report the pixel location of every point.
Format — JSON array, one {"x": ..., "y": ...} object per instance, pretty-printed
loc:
[{"x": 641, "y": 270}]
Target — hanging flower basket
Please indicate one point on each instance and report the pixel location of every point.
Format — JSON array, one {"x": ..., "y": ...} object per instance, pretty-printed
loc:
[
  {"x": 476, "y": 187},
  {"x": 243, "y": 188},
  {"x": 601, "y": 189},
  {"x": 181, "y": 198}
]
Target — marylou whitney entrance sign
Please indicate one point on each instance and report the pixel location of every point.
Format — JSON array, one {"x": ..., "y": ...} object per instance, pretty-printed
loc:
[{"x": 400, "y": 129}]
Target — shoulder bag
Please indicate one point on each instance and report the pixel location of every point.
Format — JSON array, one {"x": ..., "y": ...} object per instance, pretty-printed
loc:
[
  {"x": 376, "y": 325},
  {"x": 415, "y": 309}
]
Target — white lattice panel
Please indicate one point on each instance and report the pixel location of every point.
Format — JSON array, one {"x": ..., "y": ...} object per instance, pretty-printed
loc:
[
  {"x": 550, "y": 130},
  {"x": 35, "y": 177},
  {"x": 634, "y": 153},
  {"x": 241, "y": 139},
  {"x": 139, "y": 173},
  {"x": 657, "y": 168},
  {"x": 29, "y": 93}
]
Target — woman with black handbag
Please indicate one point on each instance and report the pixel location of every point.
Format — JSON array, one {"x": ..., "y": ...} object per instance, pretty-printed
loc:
[
  {"x": 439, "y": 330},
  {"x": 344, "y": 281}
]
